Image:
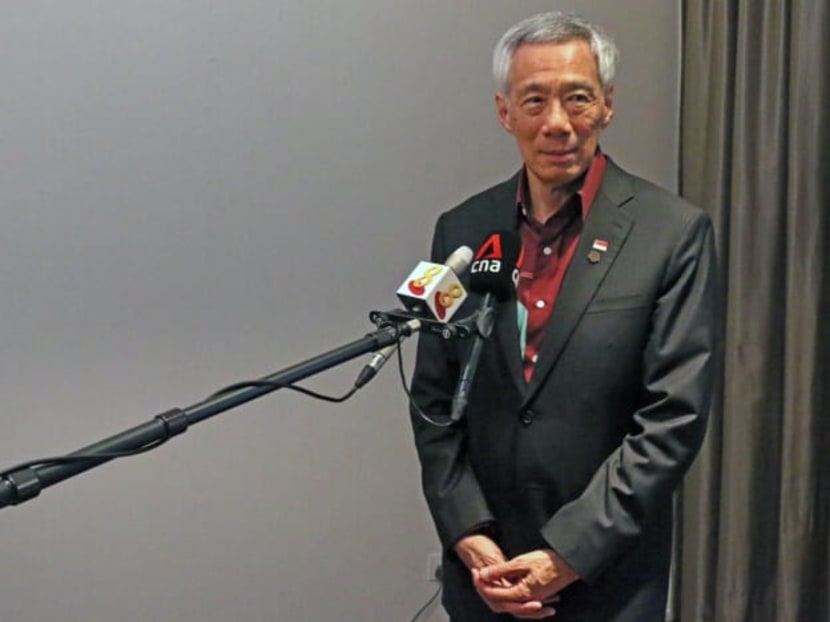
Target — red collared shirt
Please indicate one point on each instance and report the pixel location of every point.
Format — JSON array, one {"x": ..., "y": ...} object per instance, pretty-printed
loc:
[{"x": 547, "y": 252}]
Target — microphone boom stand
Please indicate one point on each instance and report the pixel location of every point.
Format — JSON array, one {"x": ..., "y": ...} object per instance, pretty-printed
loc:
[{"x": 26, "y": 482}]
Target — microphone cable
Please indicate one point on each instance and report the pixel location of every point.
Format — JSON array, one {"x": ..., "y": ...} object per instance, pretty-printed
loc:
[
  {"x": 245, "y": 384},
  {"x": 429, "y": 419},
  {"x": 427, "y": 605}
]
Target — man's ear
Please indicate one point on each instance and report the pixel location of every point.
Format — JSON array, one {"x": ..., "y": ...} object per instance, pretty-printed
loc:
[
  {"x": 503, "y": 111},
  {"x": 609, "y": 106}
]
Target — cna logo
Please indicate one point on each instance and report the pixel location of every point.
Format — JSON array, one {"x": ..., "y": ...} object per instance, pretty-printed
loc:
[
  {"x": 489, "y": 258},
  {"x": 419, "y": 285},
  {"x": 445, "y": 300},
  {"x": 491, "y": 249}
]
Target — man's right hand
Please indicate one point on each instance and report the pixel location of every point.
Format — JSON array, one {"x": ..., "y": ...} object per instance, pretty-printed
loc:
[{"x": 478, "y": 551}]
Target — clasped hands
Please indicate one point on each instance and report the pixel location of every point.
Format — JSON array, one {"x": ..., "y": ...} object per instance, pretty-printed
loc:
[{"x": 525, "y": 586}]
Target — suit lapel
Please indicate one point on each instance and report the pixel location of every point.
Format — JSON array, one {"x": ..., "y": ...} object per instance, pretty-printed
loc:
[{"x": 605, "y": 223}]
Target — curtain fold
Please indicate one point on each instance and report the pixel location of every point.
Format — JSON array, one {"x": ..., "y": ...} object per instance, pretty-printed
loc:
[{"x": 754, "y": 538}]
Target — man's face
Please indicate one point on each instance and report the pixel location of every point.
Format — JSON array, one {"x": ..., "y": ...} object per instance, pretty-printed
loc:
[{"x": 556, "y": 109}]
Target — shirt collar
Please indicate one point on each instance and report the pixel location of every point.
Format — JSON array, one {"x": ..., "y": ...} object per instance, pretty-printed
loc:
[{"x": 587, "y": 186}]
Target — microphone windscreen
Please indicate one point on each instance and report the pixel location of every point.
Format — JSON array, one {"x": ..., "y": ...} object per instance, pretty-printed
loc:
[
  {"x": 459, "y": 260},
  {"x": 495, "y": 266}
]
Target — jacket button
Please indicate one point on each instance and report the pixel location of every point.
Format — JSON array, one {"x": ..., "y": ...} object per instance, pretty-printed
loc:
[{"x": 526, "y": 417}]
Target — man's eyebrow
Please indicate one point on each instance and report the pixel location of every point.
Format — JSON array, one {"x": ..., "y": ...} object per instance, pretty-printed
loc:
[{"x": 568, "y": 85}]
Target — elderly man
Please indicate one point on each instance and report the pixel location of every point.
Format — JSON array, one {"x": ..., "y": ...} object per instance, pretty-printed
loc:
[{"x": 553, "y": 495}]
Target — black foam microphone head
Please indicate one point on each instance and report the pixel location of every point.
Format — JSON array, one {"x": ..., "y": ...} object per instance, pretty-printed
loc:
[{"x": 495, "y": 266}]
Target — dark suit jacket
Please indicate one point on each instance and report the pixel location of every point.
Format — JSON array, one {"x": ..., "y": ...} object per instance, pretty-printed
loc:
[{"x": 584, "y": 458}]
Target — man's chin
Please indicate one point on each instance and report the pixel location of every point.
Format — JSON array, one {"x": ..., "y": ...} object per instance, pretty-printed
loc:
[{"x": 558, "y": 177}]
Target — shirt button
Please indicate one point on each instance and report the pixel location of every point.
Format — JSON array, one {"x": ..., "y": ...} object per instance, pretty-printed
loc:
[
  {"x": 534, "y": 358},
  {"x": 547, "y": 250},
  {"x": 540, "y": 304}
]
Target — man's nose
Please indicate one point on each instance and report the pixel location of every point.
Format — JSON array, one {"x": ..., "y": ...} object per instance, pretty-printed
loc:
[{"x": 557, "y": 119}]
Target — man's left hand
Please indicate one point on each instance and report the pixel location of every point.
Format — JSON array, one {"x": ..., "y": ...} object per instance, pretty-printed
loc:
[{"x": 535, "y": 576}]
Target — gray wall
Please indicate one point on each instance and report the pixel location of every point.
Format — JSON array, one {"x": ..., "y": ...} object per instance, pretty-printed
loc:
[{"x": 194, "y": 193}]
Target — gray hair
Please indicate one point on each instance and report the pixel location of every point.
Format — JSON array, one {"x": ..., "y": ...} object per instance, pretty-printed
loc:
[{"x": 554, "y": 27}]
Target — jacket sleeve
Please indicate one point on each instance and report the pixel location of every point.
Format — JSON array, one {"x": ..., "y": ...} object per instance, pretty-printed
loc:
[
  {"x": 679, "y": 364},
  {"x": 452, "y": 493}
]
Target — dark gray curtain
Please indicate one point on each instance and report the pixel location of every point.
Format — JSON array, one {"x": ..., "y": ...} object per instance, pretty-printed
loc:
[{"x": 755, "y": 149}]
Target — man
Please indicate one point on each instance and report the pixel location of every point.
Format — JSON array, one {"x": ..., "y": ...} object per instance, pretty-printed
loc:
[{"x": 554, "y": 493}]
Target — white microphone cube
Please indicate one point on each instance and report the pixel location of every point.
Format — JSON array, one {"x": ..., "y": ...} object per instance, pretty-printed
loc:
[{"x": 433, "y": 288}]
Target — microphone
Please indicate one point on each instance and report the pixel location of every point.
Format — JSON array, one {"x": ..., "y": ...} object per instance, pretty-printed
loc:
[
  {"x": 433, "y": 289},
  {"x": 458, "y": 261},
  {"x": 494, "y": 273}
]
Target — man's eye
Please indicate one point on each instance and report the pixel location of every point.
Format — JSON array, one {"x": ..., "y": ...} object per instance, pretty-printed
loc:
[
  {"x": 533, "y": 105},
  {"x": 579, "y": 98}
]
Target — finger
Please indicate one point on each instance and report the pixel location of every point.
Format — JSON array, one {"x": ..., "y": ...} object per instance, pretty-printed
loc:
[
  {"x": 519, "y": 592},
  {"x": 514, "y": 608},
  {"x": 542, "y": 614},
  {"x": 533, "y": 610},
  {"x": 502, "y": 571},
  {"x": 478, "y": 581}
]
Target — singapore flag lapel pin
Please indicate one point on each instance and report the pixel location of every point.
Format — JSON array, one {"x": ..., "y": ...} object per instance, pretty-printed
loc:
[{"x": 598, "y": 247}]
